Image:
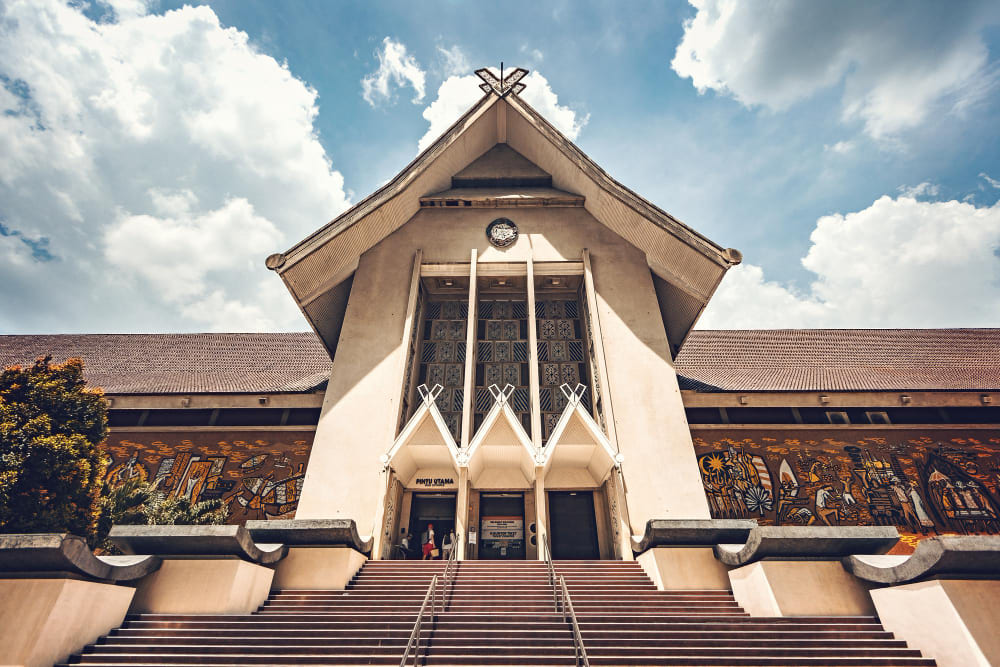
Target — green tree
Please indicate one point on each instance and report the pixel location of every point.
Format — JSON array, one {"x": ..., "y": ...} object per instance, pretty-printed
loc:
[
  {"x": 137, "y": 503},
  {"x": 51, "y": 467}
]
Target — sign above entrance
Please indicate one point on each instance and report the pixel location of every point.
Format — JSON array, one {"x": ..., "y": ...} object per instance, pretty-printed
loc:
[
  {"x": 501, "y": 232},
  {"x": 438, "y": 479}
]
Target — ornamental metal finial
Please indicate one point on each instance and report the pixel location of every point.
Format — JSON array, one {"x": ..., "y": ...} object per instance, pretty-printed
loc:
[{"x": 505, "y": 84}]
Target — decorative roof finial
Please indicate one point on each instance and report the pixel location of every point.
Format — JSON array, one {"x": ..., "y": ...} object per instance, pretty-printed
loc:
[{"x": 505, "y": 84}]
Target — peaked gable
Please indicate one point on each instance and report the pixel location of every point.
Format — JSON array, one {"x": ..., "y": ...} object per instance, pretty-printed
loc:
[{"x": 688, "y": 265}]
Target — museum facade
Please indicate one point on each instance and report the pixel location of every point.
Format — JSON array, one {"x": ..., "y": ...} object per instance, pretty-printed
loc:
[{"x": 502, "y": 345}]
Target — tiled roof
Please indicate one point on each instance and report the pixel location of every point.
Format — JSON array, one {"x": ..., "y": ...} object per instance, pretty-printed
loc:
[
  {"x": 841, "y": 360},
  {"x": 736, "y": 360},
  {"x": 184, "y": 363}
]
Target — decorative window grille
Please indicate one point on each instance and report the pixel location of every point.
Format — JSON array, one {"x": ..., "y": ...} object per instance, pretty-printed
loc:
[
  {"x": 502, "y": 356},
  {"x": 562, "y": 357},
  {"x": 442, "y": 357}
]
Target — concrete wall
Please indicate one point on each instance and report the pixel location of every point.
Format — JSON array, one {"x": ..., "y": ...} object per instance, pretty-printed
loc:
[
  {"x": 952, "y": 621},
  {"x": 361, "y": 404},
  {"x": 43, "y": 621}
]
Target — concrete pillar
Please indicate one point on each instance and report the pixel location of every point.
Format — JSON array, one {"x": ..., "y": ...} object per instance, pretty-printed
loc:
[
  {"x": 343, "y": 478},
  {"x": 684, "y": 568},
  {"x": 326, "y": 568},
  {"x": 381, "y": 536},
  {"x": 800, "y": 588},
  {"x": 953, "y": 621},
  {"x": 660, "y": 469},
  {"x": 462, "y": 511},
  {"x": 203, "y": 586},
  {"x": 541, "y": 511}
]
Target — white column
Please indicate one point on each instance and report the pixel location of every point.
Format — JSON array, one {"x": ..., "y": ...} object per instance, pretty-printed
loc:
[
  {"x": 470, "y": 355},
  {"x": 533, "y": 382},
  {"x": 462, "y": 510}
]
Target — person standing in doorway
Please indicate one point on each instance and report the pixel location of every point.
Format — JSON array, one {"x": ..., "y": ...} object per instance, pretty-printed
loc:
[
  {"x": 447, "y": 544},
  {"x": 427, "y": 539}
]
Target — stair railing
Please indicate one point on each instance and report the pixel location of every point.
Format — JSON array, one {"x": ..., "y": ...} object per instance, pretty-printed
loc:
[
  {"x": 449, "y": 574},
  {"x": 414, "y": 643},
  {"x": 580, "y": 652},
  {"x": 547, "y": 555}
]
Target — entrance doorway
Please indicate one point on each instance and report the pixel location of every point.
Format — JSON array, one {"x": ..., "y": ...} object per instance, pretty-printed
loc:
[
  {"x": 501, "y": 526},
  {"x": 437, "y": 509},
  {"x": 573, "y": 525}
]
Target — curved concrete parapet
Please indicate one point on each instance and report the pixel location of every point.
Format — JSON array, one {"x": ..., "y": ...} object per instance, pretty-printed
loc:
[
  {"x": 310, "y": 532},
  {"x": 808, "y": 543},
  {"x": 957, "y": 556},
  {"x": 36, "y": 553},
  {"x": 224, "y": 540},
  {"x": 692, "y": 532}
]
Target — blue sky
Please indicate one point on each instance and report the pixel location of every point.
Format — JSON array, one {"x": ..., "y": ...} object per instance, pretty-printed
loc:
[{"x": 152, "y": 154}]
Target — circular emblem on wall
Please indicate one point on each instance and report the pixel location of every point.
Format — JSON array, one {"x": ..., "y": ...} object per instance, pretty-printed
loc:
[{"x": 501, "y": 232}]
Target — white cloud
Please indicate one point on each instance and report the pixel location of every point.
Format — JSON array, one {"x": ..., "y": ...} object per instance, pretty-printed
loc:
[
  {"x": 142, "y": 150},
  {"x": 455, "y": 61},
  {"x": 895, "y": 66},
  {"x": 535, "y": 54},
  {"x": 924, "y": 189},
  {"x": 841, "y": 147},
  {"x": 214, "y": 242},
  {"x": 898, "y": 263},
  {"x": 994, "y": 183},
  {"x": 396, "y": 69},
  {"x": 457, "y": 93}
]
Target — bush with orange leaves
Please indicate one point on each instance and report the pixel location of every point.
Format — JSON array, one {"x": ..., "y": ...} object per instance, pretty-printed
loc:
[{"x": 51, "y": 467}]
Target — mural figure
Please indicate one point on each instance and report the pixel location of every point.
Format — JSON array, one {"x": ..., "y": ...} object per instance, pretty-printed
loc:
[
  {"x": 253, "y": 485},
  {"x": 904, "y": 479},
  {"x": 960, "y": 503},
  {"x": 738, "y": 483},
  {"x": 124, "y": 472}
]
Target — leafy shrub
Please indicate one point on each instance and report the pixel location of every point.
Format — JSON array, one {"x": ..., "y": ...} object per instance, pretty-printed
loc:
[{"x": 51, "y": 467}]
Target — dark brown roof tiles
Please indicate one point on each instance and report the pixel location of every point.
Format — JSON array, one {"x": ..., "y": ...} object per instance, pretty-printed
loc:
[
  {"x": 732, "y": 360},
  {"x": 841, "y": 360},
  {"x": 184, "y": 363}
]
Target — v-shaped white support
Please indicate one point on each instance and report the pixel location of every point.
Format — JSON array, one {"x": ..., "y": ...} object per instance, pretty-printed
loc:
[
  {"x": 501, "y": 441},
  {"x": 425, "y": 441},
  {"x": 578, "y": 442}
]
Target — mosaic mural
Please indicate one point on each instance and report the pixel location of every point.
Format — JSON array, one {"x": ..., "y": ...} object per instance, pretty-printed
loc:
[
  {"x": 923, "y": 482},
  {"x": 256, "y": 474}
]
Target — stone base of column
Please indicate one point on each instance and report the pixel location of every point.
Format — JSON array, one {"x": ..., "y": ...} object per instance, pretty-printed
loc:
[
  {"x": 44, "y": 621},
  {"x": 329, "y": 568},
  {"x": 684, "y": 568},
  {"x": 203, "y": 586},
  {"x": 953, "y": 621},
  {"x": 800, "y": 588}
]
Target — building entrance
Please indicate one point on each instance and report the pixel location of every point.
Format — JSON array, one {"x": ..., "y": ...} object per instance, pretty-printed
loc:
[
  {"x": 436, "y": 509},
  {"x": 573, "y": 525},
  {"x": 501, "y": 526}
]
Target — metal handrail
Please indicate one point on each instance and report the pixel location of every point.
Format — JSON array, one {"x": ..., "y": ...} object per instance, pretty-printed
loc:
[
  {"x": 547, "y": 555},
  {"x": 570, "y": 614},
  {"x": 449, "y": 573},
  {"x": 414, "y": 642}
]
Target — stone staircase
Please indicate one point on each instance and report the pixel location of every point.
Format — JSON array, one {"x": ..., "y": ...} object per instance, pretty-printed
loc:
[{"x": 499, "y": 613}]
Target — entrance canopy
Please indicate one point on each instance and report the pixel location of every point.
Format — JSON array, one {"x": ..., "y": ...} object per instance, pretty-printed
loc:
[
  {"x": 501, "y": 455},
  {"x": 425, "y": 455},
  {"x": 578, "y": 454}
]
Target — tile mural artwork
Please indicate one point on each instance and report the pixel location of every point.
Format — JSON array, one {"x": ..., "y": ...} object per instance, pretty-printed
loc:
[
  {"x": 925, "y": 483},
  {"x": 257, "y": 475}
]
